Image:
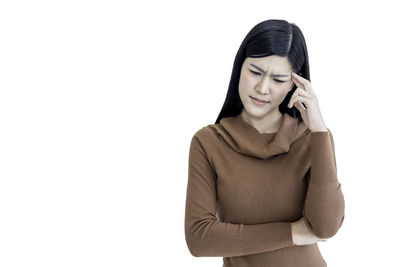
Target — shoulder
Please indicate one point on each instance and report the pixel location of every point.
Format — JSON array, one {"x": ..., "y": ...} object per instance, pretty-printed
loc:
[
  {"x": 207, "y": 137},
  {"x": 322, "y": 134},
  {"x": 323, "y": 137},
  {"x": 304, "y": 131},
  {"x": 207, "y": 133},
  {"x": 305, "y": 136}
]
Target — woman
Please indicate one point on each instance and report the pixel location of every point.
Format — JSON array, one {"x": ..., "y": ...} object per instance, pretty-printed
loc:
[{"x": 262, "y": 183}]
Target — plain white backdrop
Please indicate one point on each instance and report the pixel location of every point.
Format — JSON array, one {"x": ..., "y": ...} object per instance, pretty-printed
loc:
[{"x": 99, "y": 101}]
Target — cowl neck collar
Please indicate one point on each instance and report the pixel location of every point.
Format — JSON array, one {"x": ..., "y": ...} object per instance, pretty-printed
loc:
[{"x": 245, "y": 139}]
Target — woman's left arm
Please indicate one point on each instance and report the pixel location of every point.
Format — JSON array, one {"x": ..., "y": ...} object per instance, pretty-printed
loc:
[{"x": 324, "y": 206}]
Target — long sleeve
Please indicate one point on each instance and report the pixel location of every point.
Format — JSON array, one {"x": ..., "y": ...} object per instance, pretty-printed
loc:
[
  {"x": 324, "y": 206},
  {"x": 207, "y": 236}
]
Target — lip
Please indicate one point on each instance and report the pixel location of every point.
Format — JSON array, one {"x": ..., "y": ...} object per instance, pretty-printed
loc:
[{"x": 258, "y": 102}]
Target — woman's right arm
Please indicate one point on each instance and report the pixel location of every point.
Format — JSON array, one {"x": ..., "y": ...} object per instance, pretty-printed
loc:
[{"x": 208, "y": 237}]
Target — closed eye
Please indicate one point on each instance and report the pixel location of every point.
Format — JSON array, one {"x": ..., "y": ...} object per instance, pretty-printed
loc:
[
  {"x": 256, "y": 73},
  {"x": 259, "y": 74}
]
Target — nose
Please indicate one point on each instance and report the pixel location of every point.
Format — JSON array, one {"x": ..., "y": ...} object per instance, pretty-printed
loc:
[{"x": 263, "y": 86}]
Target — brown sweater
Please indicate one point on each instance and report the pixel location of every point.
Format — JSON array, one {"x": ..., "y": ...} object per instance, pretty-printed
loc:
[{"x": 245, "y": 187}]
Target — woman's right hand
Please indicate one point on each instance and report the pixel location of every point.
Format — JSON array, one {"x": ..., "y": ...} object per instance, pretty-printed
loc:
[{"x": 302, "y": 233}]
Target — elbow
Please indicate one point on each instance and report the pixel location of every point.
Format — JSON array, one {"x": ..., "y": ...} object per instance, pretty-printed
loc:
[
  {"x": 327, "y": 228},
  {"x": 195, "y": 252},
  {"x": 198, "y": 239},
  {"x": 193, "y": 243},
  {"x": 325, "y": 232},
  {"x": 194, "y": 247},
  {"x": 325, "y": 218}
]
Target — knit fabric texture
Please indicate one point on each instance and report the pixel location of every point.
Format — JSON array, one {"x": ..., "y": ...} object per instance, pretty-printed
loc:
[{"x": 244, "y": 189}]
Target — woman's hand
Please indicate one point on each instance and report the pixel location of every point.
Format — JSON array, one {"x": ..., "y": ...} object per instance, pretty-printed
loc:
[
  {"x": 302, "y": 233},
  {"x": 304, "y": 94}
]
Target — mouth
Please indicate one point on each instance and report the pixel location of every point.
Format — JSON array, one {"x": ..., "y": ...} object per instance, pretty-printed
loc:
[{"x": 257, "y": 100}]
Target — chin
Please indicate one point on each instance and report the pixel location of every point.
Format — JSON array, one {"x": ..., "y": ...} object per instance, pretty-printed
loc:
[{"x": 257, "y": 112}]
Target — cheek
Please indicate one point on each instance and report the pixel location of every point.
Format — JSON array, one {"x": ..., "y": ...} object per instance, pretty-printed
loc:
[
  {"x": 244, "y": 87},
  {"x": 248, "y": 82},
  {"x": 280, "y": 93}
]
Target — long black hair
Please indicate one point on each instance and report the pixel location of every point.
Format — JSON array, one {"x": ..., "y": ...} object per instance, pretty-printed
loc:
[{"x": 269, "y": 37}]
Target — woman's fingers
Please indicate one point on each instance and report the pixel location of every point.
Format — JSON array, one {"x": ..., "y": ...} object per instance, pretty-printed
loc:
[
  {"x": 298, "y": 95},
  {"x": 302, "y": 82},
  {"x": 297, "y": 98}
]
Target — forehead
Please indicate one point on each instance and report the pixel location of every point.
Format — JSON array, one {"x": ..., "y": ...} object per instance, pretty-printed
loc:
[{"x": 275, "y": 64}]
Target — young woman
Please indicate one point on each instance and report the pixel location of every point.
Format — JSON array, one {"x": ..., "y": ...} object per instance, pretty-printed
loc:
[{"x": 262, "y": 182}]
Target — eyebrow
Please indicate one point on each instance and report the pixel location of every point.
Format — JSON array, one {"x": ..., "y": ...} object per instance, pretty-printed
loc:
[{"x": 275, "y": 75}]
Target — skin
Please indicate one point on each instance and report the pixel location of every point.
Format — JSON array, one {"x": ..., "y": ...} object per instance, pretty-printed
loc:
[
  {"x": 267, "y": 118},
  {"x": 261, "y": 83}
]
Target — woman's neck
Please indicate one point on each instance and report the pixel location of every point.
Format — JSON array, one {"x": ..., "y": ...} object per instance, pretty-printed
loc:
[{"x": 270, "y": 123}]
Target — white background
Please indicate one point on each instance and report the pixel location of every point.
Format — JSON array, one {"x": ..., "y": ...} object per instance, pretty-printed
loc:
[{"x": 99, "y": 101}]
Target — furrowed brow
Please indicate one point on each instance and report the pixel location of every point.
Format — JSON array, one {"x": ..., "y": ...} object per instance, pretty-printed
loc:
[{"x": 275, "y": 75}]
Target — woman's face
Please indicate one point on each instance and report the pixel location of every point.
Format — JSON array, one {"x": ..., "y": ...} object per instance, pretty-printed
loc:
[{"x": 266, "y": 78}]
